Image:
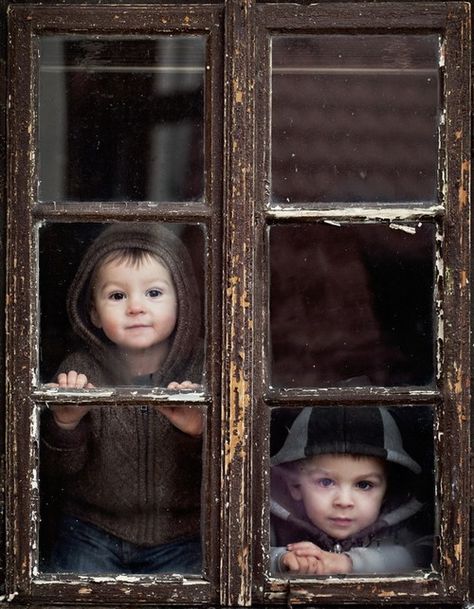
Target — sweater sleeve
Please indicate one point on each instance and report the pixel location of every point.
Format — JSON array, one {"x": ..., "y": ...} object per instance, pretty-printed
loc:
[
  {"x": 382, "y": 558},
  {"x": 64, "y": 452},
  {"x": 276, "y": 554}
]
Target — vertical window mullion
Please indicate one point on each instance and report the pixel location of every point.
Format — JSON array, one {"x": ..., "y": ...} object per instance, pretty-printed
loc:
[
  {"x": 21, "y": 412},
  {"x": 455, "y": 363},
  {"x": 237, "y": 364}
]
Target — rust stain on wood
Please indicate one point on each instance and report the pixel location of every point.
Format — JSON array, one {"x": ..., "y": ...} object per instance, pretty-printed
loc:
[
  {"x": 239, "y": 391},
  {"x": 463, "y": 195}
]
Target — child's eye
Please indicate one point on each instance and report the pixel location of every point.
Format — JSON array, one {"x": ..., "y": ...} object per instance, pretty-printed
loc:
[
  {"x": 154, "y": 293},
  {"x": 325, "y": 482},
  {"x": 117, "y": 296},
  {"x": 365, "y": 485}
]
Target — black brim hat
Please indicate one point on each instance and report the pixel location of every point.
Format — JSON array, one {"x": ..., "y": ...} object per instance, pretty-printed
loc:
[{"x": 370, "y": 431}]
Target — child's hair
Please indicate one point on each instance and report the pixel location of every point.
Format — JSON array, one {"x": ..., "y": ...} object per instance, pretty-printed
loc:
[{"x": 132, "y": 256}]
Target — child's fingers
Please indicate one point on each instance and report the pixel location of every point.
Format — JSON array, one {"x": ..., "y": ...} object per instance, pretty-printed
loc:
[
  {"x": 183, "y": 385},
  {"x": 302, "y": 546},
  {"x": 290, "y": 562},
  {"x": 189, "y": 385},
  {"x": 62, "y": 379},
  {"x": 300, "y": 564},
  {"x": 72, "y": 380}
]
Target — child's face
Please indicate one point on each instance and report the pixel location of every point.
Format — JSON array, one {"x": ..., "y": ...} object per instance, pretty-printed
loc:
[
  {"x": 136, "y": 307},
  {"x": 341, "y": 494}
]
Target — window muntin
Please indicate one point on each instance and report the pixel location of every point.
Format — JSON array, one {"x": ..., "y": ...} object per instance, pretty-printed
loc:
[{"x": 122, "y": 119}]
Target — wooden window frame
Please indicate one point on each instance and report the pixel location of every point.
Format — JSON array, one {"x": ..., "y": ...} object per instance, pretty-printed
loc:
[
  {"x": 451, "y": 214},
  {"x": 25, "y": 214},
  {"x": 236, "y": 216}
]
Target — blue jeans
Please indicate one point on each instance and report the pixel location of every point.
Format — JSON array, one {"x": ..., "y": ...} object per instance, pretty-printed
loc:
[{"x": 84, "y": 548}]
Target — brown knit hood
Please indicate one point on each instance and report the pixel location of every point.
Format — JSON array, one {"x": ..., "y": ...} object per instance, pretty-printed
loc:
[{"x": 185, "y": 341}]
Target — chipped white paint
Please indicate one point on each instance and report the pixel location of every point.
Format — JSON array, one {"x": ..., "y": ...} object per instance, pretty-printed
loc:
[
  {"x": 349, "y": 213},
  {"x": 411, "y": 230},
  {"x": 442, "y": 53},
  {"x": 34, "y": 479},
  {"x": 332, "y": 222},
  {"x": 45, "y": 391},
  {"x": 334, "y": 580},
  {"x": 92, "y": 394},
  {"x": 439, "y": 279}
]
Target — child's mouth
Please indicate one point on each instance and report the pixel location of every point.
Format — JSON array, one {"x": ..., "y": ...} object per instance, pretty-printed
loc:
[{"x": 341, "y": 522}]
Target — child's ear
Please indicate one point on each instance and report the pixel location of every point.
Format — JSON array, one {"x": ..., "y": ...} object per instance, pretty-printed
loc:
[
  {"x": 94, "y": 317},
  {"x": 295, "y": 491}
]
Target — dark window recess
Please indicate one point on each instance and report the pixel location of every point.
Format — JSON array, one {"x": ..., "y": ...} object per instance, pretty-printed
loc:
[
  {"x": 352, "y": 305},
  {"x": 341, "y": 130},
  {"x": 122, "y": 120}
]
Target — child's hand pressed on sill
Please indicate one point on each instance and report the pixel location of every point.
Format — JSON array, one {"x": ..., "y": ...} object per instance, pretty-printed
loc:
[
  {"x": 188, "y": 419},
  {"x": 68, "y": 417},
  {"x": 307, "y": 558}
]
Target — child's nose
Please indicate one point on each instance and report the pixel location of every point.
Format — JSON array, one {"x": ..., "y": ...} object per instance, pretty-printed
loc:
[
  {"x": 344, "y": 497},
  {"x": 135, "y": 304}
]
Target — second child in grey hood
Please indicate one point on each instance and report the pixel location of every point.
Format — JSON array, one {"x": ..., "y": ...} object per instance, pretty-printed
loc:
[{"x": 342, "y": 495}]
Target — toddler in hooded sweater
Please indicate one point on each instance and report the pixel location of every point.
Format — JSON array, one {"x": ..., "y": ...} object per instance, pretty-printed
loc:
[{"x": 131, "y": 475}]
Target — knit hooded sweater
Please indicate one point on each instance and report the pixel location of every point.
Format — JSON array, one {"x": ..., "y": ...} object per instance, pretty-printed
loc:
[
  {"x": 388, "y": 545},
  {"x": 127, "y": 469}
]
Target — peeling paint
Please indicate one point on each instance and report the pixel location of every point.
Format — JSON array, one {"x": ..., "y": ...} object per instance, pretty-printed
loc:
[
  {"x": 238, "y": 386},
  {"x": 411, "y": 230},
  {"x": 365, "y": 213},
  {"x": 91, "y": 395},
  {"x": 463, "y": 195}
]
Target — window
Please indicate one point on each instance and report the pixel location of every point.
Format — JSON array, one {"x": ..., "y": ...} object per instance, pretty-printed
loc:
[{"x": 310, "y": 165}]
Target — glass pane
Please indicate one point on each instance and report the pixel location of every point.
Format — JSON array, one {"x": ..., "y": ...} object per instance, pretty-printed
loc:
[
  {"x": 120, "y": 492},
  {"x": 122, "y": 303},
  {"x": 352, "y": 490},
  {"x": 121, "y": 119},
  {"x": 354, "y": 118},
  {"x": 351, "y": 304}
]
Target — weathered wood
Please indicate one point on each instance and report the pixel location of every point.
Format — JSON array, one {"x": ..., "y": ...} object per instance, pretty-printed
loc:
[{"x": 236, "y": 214}]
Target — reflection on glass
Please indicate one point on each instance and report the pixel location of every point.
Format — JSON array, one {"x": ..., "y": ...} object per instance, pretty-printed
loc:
[
  {"x": 354, "y": 118},
  {"x": 121, "y": 119},
  {"x": 352, "y": 489},
  {"x": 120, "y": 493},
  {"x": 132, "y": 293},
  {"x": 351, "y": 304}
]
